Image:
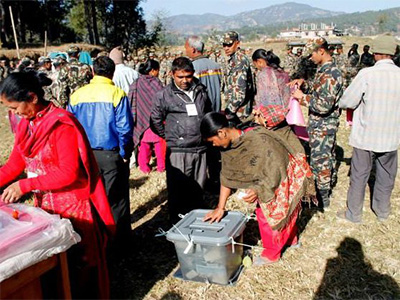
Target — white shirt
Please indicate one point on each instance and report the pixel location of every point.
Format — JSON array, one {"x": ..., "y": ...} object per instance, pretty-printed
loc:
[
  {"x": 375, "y": 95},
  {"x": 124, "y": 76},
  {"x": 189, "y": 93}
]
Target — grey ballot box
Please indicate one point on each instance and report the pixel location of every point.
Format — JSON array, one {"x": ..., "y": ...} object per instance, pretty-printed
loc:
[{"x": 205, "y": 251}]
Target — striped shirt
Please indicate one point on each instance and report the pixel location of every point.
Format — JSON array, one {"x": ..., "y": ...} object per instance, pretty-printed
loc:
[
  {"x": 210, "y": 74},
  {"x": 375, "y": 95}
]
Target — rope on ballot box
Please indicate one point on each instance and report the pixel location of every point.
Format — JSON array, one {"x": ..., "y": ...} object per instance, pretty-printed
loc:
[{"x": 241, "y": 244}]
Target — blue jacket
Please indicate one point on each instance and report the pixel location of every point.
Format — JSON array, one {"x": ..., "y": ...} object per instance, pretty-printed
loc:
[{"x": 104, "y": 112}]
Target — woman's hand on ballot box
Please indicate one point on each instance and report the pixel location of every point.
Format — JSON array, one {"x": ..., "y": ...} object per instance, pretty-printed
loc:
[{"x": 215, "y": 215}]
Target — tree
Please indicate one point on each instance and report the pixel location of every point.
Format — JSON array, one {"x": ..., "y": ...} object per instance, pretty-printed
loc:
[{"x": 382, "y": 20}]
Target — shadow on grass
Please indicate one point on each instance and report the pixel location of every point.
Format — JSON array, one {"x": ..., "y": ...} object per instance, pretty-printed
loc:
[
  {"x": 349, "y": 276},
  {"x": 171, "y": 296},
  {"x": 137, "y": 183},
  {"x": 305, "y": 216},
  {"x": 150, "y": 258},
  {"x": 144, "y": 209}
]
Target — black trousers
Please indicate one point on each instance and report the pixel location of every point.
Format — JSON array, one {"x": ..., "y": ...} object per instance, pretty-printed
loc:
[{"x": 115, "y": 175}]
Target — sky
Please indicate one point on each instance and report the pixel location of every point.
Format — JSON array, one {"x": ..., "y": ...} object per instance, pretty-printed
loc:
[{"x": 231, "y": 7}]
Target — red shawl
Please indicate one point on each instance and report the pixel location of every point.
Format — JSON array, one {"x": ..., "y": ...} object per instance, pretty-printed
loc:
[{"x": 30, "y": 144}]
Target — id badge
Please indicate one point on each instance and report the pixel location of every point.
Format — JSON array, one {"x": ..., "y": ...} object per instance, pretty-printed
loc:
[{"x": 191, "y": 109}]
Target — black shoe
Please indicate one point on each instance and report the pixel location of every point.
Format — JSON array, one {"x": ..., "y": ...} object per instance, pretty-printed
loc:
[{"x": 324, "y": 198}]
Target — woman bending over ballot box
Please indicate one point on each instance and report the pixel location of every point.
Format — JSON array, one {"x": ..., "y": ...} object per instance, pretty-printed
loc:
[{"x": 271, "y": 169}]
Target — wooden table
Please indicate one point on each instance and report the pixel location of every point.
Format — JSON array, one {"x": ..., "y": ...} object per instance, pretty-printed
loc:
[{"x": 27, "y": 284}]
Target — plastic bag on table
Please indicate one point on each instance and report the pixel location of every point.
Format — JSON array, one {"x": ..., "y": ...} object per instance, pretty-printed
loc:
[{"x": 29, "y": 232}]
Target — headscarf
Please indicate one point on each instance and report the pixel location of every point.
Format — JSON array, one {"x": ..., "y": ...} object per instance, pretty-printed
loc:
[{"x": 84, "y": 57}]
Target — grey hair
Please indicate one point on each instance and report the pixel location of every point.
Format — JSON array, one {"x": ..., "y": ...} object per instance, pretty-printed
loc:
[{"x": 195, "y": 42}]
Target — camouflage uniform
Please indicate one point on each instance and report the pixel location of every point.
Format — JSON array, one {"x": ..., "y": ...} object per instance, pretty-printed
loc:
[
  {"x": 71, "y": 77},
  {"x": 290, "y": 64},
  {"x": 220, "y": 59},
  {"x": 366, "y": 60},
  {"x": 343, "y": 64},
  {"x": 323, "y": 96},
  {"x": 165, "y": 69},
  {"x": 48, "y": 94},
  {"x": 238, "y": 83}
]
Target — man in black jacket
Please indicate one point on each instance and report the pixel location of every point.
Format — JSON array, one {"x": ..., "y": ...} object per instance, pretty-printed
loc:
[{"x": 176, "y": 115}]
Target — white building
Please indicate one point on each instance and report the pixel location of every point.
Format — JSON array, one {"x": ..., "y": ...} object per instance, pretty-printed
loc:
[{"x": 305, "y": 31}]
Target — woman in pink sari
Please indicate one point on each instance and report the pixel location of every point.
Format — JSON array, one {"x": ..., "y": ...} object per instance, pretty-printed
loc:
[{"x": 52, "y": 148}]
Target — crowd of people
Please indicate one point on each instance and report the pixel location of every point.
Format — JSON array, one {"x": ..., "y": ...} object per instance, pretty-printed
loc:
[{"x": 214, "y": 123}]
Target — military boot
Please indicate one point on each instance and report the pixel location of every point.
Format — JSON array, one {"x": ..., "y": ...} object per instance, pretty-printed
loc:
[{"x": 324, "y": 198}]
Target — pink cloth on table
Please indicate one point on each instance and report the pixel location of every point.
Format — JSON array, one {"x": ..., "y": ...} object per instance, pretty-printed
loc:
[{"x": 16, "y": 231}]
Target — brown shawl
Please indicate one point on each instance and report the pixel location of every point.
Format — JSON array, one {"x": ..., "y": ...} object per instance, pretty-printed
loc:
[{"x": 259, "y": 160}]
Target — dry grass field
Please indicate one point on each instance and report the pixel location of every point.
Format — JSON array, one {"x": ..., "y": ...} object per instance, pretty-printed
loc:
[{"x": 337, "y": 260}]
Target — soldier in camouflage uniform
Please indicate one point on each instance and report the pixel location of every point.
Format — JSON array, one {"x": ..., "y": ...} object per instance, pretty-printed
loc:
[
  {"x": 72, "y": 76},
  {"x": 322, "y": 97},
  {"x": 343, "y": 64},
  {"x": 165, "y": 69},
  {"x": 353, "y": 55},
  {"x": 4, "y": 63},
  {"x": 59, "y": 62},
  {"x": 367, "y": 59},
  {"x": 45, "y": 67},
  {"x": 238, "y": 86},
  {"x": 290, "y": 62},
  {"x": 219, "y": 58}
]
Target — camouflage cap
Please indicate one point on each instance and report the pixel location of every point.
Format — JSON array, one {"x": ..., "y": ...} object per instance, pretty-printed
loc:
[
  {"x": 73, "y": 49},
  {"x": 151, "y": 54},
  {"x": 58, "y": 61},
  {"x": 384, "y": 44},
  {"x": 43, "y": 59},
  {"x": 230, "y": 37},
  {"x": 313, "y": 45},
  {"x": 26, "y": 61}
]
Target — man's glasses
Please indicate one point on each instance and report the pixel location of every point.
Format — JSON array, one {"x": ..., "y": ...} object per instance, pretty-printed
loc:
[{"x": 227, "y": 45}]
